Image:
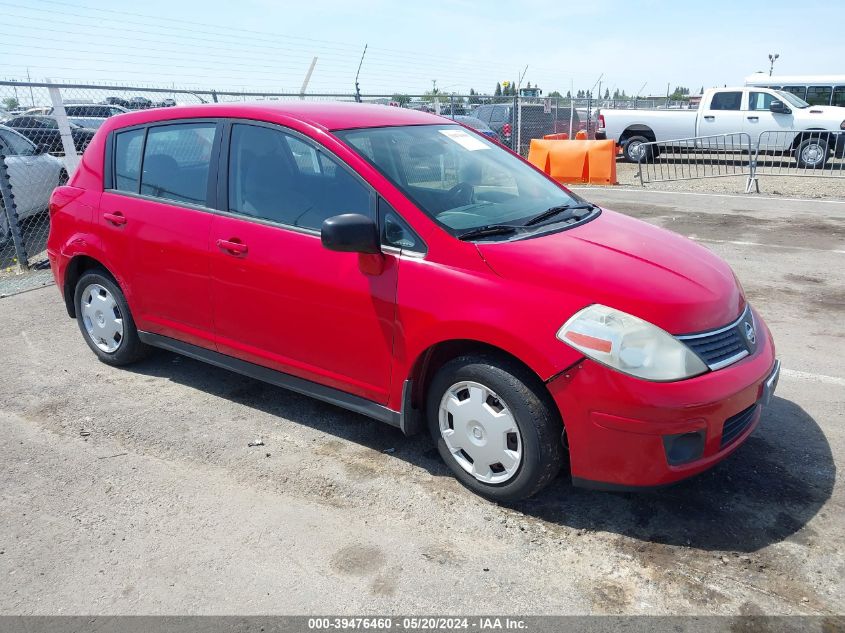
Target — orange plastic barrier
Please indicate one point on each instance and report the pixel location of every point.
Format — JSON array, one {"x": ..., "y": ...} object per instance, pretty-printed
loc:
[
  {"x": 592, "y": 162},
  {"x": 561, "y": 136}
]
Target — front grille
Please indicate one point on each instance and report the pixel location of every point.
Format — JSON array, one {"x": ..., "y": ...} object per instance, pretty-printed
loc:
[
  {"x": 717, "y": 348},
  {"x": 736, "y": 424},
  {"x": 726, "y": 345}
]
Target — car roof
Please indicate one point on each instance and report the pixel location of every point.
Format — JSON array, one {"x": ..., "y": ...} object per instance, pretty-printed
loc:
[{"x": 329, "y": 115}]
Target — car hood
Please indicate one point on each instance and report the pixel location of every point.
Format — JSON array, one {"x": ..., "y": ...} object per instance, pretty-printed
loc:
[
  {"x": 626, "y": 264},
  {"x": 834, "y": 112}
]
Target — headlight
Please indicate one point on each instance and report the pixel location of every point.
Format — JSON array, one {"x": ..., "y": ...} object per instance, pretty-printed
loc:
[{"x": 630, "y": 345}]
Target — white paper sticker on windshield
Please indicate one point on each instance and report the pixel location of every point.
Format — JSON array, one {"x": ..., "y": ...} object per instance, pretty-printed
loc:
[{"x": 467, "y": 141}]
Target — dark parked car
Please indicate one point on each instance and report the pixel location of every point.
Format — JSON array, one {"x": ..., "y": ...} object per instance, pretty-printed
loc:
[
  {"x": 139, "y": 103},
  {"x": 535, "y": 121},
  {"x": 478, "y": 125},
  {"x": 44, "y": 131},
  {"x": 123, "y": 103},
  {"x": 98, "y": 110}
]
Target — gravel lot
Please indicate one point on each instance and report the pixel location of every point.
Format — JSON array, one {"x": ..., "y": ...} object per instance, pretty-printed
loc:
[
  {"x": 776, "y": 185},
  {"x": 130, "y": 491}
]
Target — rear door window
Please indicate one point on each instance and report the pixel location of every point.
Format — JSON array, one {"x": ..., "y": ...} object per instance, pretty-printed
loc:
[
  {"x": 839, "y": 96},
  {"x": 176, "y": 163},
  {"x": 726, "y": 101}
]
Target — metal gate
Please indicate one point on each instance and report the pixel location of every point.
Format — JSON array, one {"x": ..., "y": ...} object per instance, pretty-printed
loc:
[{"x": 697, "y": 157}]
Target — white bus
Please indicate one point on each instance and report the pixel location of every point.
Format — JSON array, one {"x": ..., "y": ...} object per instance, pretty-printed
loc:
[{"x": 814, "y": 89}]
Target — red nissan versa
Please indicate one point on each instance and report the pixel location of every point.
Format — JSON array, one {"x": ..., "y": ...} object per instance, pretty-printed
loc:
[{"x": 404, "y": 267}]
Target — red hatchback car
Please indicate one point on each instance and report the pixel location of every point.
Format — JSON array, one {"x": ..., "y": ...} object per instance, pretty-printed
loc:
[{"x": 401, "y": 266}]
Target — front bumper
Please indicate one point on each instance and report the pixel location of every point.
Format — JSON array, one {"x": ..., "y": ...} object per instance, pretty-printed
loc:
[{"x": 621, "y": 429}]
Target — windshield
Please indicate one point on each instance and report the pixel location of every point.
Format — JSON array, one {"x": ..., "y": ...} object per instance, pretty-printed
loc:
[
  {"x": 459, "y": 178},
  {"x": 793, "y": 100}
]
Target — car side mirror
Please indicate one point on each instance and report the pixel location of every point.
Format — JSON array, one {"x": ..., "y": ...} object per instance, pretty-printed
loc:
[
  {"x": 778, "y": 107},
  {"x": 350, "y": 233}
]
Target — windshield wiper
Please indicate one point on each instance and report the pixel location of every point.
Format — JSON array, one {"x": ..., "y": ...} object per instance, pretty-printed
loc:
[
  {"x": 490, "y": 229},
  {"x": 563, "y": 208}
]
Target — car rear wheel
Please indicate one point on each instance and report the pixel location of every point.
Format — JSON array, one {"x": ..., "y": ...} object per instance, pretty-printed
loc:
[
  {"x": 634, "y": 149},
  {"x": 494, "y": 426},
  {"x": 105, "y": 320},
  {"x": 812, "y": 153}
]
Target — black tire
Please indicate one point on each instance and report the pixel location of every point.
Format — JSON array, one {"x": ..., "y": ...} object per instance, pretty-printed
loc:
[
  {"x": 629, "y": 146},
  {"x": 129, "y": 348},
  {"x": 533, "y": 410},
  {"x": 823, "y": 153}
]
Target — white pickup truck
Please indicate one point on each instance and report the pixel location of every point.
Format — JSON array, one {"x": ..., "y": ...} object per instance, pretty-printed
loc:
[{"x": 729, "y": 111}]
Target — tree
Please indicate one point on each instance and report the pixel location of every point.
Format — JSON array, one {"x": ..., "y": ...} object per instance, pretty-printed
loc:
[
  {"x": 680, "y": 93},
  {"x": 473, "y": 97},
  {"x": 498, "y": 91},
  {"x": 10, "y": 103},
  {"x": 555, "y": 94},
  {"x": 401, "y": 99},
  {"x": 607, "y": 93},
  {"x": 701, "y": 90},
  {"x": 568, "y": 94}
]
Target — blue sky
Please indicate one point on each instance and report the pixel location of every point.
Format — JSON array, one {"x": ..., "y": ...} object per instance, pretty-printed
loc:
[{"x": 264, "y": 45}]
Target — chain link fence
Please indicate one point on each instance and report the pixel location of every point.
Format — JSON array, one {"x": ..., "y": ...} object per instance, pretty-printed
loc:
[{"x": 44, "y": 128}]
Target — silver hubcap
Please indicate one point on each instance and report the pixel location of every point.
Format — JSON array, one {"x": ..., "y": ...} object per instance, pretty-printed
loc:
[
  {"x": 102, "y": 318},
  {"x": 812, "y": 154},
  {"x": 480, "y": 432},
  {"x": 635, "y": 150}
]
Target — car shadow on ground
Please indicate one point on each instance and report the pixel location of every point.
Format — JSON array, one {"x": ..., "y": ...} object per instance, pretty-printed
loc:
[{"x": 767, "y": 491}]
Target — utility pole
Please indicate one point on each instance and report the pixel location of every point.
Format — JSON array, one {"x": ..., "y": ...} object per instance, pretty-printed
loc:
[
  {"x": 772, "y": 59},
  {"x": 31, "y": 96},
  {"x": 357, "y": 88}
]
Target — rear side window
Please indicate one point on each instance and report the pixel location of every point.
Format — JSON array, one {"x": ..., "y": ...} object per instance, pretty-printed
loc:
[
  {"x": 726, "y": 101},
  {"x": 483, "y": 113},
  {"x": 798, "y": 91},
  {"x": 838, "y": 96},
  {"x": 818, "y": 95},
  {"x": 279, "y": 177},
  {"x": 16, "y": 145},
  {"x": 127, "y": 160},
  {"x": 176, "y": 162}
]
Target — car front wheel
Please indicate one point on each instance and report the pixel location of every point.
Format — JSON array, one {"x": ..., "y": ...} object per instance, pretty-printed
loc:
[
  {"x": 495, "y": 427},
  {"x": 105, "y": 320},
  {"x": 812, "y": 153}
]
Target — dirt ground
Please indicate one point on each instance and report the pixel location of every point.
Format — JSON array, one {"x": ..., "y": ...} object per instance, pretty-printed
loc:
[
  {"x": 133, "y": 491},
  {"x": 775, "y": 183}
]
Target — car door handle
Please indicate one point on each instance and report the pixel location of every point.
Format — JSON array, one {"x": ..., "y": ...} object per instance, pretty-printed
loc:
[
  {"x": 753, "y": 118},
  {"x": 232, "y": 247},
  {"x": 116, "y": 218},
  {"x": 709, "y": 117}
]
